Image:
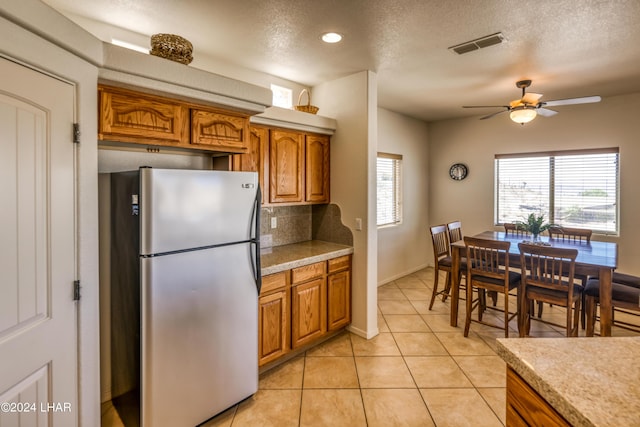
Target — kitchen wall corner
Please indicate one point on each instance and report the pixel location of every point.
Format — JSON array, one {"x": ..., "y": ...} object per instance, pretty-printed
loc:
[
  {"x": 327, "y": 225},
  {"x": 296, "y": 224}
]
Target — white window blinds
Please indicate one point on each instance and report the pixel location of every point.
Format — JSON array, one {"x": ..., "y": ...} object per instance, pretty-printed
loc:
[
  {"x": 389, "y": 191},
  {"x": 574, "y": 189}
]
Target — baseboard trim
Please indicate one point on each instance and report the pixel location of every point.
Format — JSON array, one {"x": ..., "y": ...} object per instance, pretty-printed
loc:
[
  {"x": 361, "y": 333},
  {"x": 399, "y": 275}
]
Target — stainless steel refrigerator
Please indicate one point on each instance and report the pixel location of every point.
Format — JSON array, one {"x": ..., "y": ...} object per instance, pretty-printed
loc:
[{"x": 185, "y": 279}]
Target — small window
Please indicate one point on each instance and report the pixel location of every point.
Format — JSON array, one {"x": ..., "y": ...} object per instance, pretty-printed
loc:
[
  {"x": 282, "y": 96},
  {"x": 389, "y": 168},
  {"x": 573, "y": 189}
]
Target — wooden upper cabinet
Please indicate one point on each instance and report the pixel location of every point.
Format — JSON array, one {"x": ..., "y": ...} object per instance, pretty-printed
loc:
[
  {"x": 130, "y": 116},
  {"x": 286, "y": 175},
  {"x": 256, "y": 159},
  {"x": 219, "y": 129},
  {"x": 293, "y": 165},
  {"x": 317, "y": 169}
]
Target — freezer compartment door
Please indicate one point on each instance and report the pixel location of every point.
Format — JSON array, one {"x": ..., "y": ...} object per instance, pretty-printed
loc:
[
  {"x": 184, "y": 209},
  {"x": 199, "y": 334}
]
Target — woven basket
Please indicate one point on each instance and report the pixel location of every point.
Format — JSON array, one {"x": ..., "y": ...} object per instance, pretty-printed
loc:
[
  {"x": 312, "y": 109},
  {"x": 170, "y": 46}
]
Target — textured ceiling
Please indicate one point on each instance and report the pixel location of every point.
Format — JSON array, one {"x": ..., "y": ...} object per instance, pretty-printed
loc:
[{"x": 569, "y": 48}]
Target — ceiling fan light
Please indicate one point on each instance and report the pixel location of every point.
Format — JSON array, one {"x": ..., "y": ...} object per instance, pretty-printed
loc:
[{"x": 523, "y": 115}]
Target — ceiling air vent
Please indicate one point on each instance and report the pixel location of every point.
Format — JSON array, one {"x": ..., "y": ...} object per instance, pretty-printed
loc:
[{"x": 476, "y": 44}]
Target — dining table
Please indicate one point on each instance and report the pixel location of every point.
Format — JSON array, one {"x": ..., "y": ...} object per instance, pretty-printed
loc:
[{"x": 595, "y": 259}]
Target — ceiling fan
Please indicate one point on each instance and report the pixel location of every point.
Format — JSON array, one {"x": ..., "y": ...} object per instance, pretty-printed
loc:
[{"x": 525, "y": 109}]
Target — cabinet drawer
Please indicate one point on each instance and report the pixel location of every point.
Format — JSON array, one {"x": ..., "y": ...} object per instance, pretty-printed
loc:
[
  {"x": 273, "y": 282},
  {"x": 340, "y": 263},
  {"x": 307, "y": 272}
]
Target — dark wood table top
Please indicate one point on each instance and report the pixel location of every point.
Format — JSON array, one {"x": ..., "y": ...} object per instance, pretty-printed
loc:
[{"x": 595, "y": 254}]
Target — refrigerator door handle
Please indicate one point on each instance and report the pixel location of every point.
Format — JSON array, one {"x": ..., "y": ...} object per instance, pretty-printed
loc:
[{"x": 255, "y": 240}]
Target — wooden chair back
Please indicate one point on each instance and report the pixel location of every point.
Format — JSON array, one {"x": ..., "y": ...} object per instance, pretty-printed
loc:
[
  {"x": 567, "y": 234},
  {"x": 440, "y": 239},
  {"x": 487, "y": 259},
  {"x": 513, "y": 229},
  {"x": 455, "y": 231},
  {"x": 548, "y": 267}
]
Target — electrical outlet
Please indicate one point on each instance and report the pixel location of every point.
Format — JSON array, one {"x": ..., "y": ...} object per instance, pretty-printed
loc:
[{"x": 274, "y": 222}]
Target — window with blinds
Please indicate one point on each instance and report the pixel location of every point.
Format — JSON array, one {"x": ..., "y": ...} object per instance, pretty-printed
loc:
[
  {"x": 570, "y": 188},
  {"x": 389, "y": 189}
]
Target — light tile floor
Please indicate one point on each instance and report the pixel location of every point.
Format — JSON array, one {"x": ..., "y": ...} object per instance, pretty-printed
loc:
[{"x": 418, "y": 371}]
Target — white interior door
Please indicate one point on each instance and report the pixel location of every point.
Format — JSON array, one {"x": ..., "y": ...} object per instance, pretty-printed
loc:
[{"x": 38, "y": 332}]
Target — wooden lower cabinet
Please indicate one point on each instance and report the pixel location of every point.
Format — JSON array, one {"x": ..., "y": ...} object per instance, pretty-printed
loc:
[
  {"x": 308, "y": 304},
  {"x": 525, "y": 407},
  {"x": 300, "y": 306},
  {"x": 273, "y": 318},
  {"x": 339, "y": 293},
  {"x": 309, "y": 312},
  {"x": 338, "y": 300}
]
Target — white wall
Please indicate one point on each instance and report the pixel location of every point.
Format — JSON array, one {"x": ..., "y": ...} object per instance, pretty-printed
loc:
[
  {"x": 610, "y": 123},
  {"x": 352, "y": 101},
  {"x": 107, "y": 32},
  {"x": 24, "y": 46},
  {"x": 403, "y": 248}
]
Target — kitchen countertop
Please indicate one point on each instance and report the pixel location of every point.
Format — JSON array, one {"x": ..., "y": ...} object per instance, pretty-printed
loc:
[
  {"x": 281, "y": 258},
  {"x": 589, "y": 381}
]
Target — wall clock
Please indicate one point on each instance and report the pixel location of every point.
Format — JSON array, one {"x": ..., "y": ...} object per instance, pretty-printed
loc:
[{"x": 458, "y": 171}]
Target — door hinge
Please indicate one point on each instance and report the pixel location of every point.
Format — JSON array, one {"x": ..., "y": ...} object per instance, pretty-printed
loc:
[
  {"x": 76, "y": 133},
  {"x": 76, "y": 290}
]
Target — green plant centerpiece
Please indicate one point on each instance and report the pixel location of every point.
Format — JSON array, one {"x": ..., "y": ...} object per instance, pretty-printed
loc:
[{"x": 534, "y": 224}]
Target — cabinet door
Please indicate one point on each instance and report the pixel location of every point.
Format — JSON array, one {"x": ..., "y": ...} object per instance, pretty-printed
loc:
[
  {"x": 127, "y": 116},
  {"x": 526, "y": 407},
  {"x": 309, "y": 312},
  {"x": 286, "y": 174},
  {"x": 273, "y": 326},
  {"x": 317, "y": 169},
  {"x": 339, "y": 300},
  {"x": 256, "y": 159},
  {"x": 218, "y": 129}
]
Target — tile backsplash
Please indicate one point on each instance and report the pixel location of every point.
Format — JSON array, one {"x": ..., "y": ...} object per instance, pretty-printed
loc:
[{"x": 294, "y": 224}]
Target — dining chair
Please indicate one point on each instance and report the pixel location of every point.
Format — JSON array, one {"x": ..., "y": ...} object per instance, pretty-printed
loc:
[
  {"x": 455, "y": 231},
  {"x": 625, "y": 295},
  {"x": 571, "y": 235},
  {"x": 442, "y": 259},
  {"x": 548, "y": 277},
  {"x": 455, "y": 235},
  {"x": 488, "y": 270},
  {"x": 567, "y": 234},
  {"x": 513, "y": 229}
]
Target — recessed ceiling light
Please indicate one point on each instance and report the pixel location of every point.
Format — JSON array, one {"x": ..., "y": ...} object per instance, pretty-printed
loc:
[{"x": 331, "y": 37}]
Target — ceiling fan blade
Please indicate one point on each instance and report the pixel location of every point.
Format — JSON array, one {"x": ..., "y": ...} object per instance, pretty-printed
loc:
[
  {"x": 516, "y": 103},
  {"x": 545, "y": 112},
  {"x": 494, "y": 114},
  {"x": 485, "y": 106},
  {"x": 572, "y": 101},
  {"x": 531, "y": 98}
]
